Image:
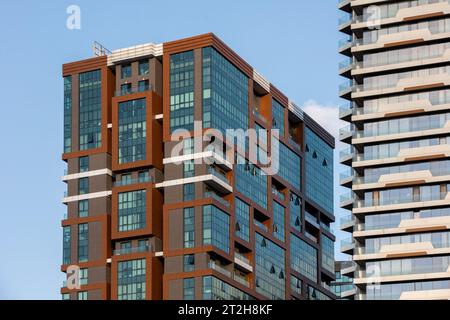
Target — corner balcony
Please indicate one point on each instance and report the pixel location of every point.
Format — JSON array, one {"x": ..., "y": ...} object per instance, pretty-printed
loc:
[
  {"x": 440, "y": 9},
  {"x": 347, "y": 155},
  {"x": 349, "y": 269},
  {"x": 346, "y": 177},
  {"x": 346, "y": 134},
  {"x": 347, "y": 200},
  {"x": 347, "y": 223},
  {"x": 416, "y": 224},
  {"x": 345, "y": 46},
  {"x": 348, "y": 245},
  {"x": 346, "y": 89},
  {"x": 346, "y": 111},
  {"x": 434, "y": 200},
  {"x": 345, "y": 23},
  {"x": 404, "y": 85},
  {"x": 345, "y": 68},
  {"x": 406, "y": 155},
  {"x": 344, "y": 5}
]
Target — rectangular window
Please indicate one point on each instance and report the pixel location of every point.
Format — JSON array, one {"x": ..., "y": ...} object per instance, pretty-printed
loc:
[
  {"x": 83, "y": 276},
  {"x": 90, "y": 107},
  {"x": 319, "y": 170},
  {"x": 125, "y": 89},
  {"x": 270, "y": 268},
  {"x": 215, "y": 289},
  {"x": 188, "y": 169},
  {"x": 188, "y": 227},
  {"x": 132, "y": 131},
  {"x": 143, "y": 67},
  {"x": 189, "y": 192},
  {"x": 216, "y": 228},
  {"x": 250, "y": 181},
  {"x": 189, "y": 262},
  {"x": 132, "y": 210},
  {"x": 131, "y": 277},
  {"x": 83, "y": 208},
  {"x": 327, "y": 253},
  {"x": 143, "y": 86},
  {"x": 82, "y": 295},
  {"x": 125, "y": 71},
  {"x": 83, "y": 186},
  {"x": 144, "y": 176},
  {"x": 67, "y": 240},
  {"x": 68, "y": 114},
  {"x": 83, "y": 164},
  {"x": 278, "y": 116},
  {"x": 182, "y": 91},
  {"x": 295, "y": 212},
  {"x": 225, "y": 93},
  {"x": 278, "y": 221},
  {"x": 65, "y": 296},
  {"x": 83, "y": 242},
  {"x": 242, "y": 214},
  {"x": 289, "y": 164},
  {"x": 189, "y": 289},
  {"x": 303, "y": 258}
]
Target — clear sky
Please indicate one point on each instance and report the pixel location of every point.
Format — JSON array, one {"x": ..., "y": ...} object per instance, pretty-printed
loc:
[{"x": 293, "y": 43}]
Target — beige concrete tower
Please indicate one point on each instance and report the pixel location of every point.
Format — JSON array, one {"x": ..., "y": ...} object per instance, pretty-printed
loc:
[{"x": 398, "y": 70}]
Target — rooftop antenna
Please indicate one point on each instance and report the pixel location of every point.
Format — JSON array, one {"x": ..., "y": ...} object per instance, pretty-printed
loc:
[{"x": 100, "y": 50}]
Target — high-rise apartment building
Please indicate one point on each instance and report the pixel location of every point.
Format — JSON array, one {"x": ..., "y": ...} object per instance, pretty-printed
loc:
[
  {"x": 156, "y": 214},
  {"x": 398, "y": 66},
  {"x": 343, "y": 287}
]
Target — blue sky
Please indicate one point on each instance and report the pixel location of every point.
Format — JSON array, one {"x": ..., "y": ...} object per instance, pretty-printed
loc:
[{"x": 292, "y": 43}]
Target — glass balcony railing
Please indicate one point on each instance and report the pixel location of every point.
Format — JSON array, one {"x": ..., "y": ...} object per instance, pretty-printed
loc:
[
  {"x": 345, "y": 243},
  {"x": 259, "y": 116},
  {"x": 241, "y": 257},
  {"x": 373, "y": 250},
  {"x": 215, "y": 196},
  {"x": 361, "y": 203},
  {"x": 127, "y": 91},
  {"x": 417, "y": 269},
  {"x": 326, "y": 227},
  {"x": 139, "y": 249},
  {"x": 126, "y": 182},
  {"x": 347, "y": 197},
  {"x": 242, "y": 280},
  {"x": 215, "y": 266},
  {"x": 218, "y": 174},
  {"x": 347, "y": 174},
  {"x": 311, "y": 219},
  {"x": 311, "y": 237},
  {"x": 347, "y": 152},
  {"x": 278, "y": 193},
  {"x": 346, "y": 219}
]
